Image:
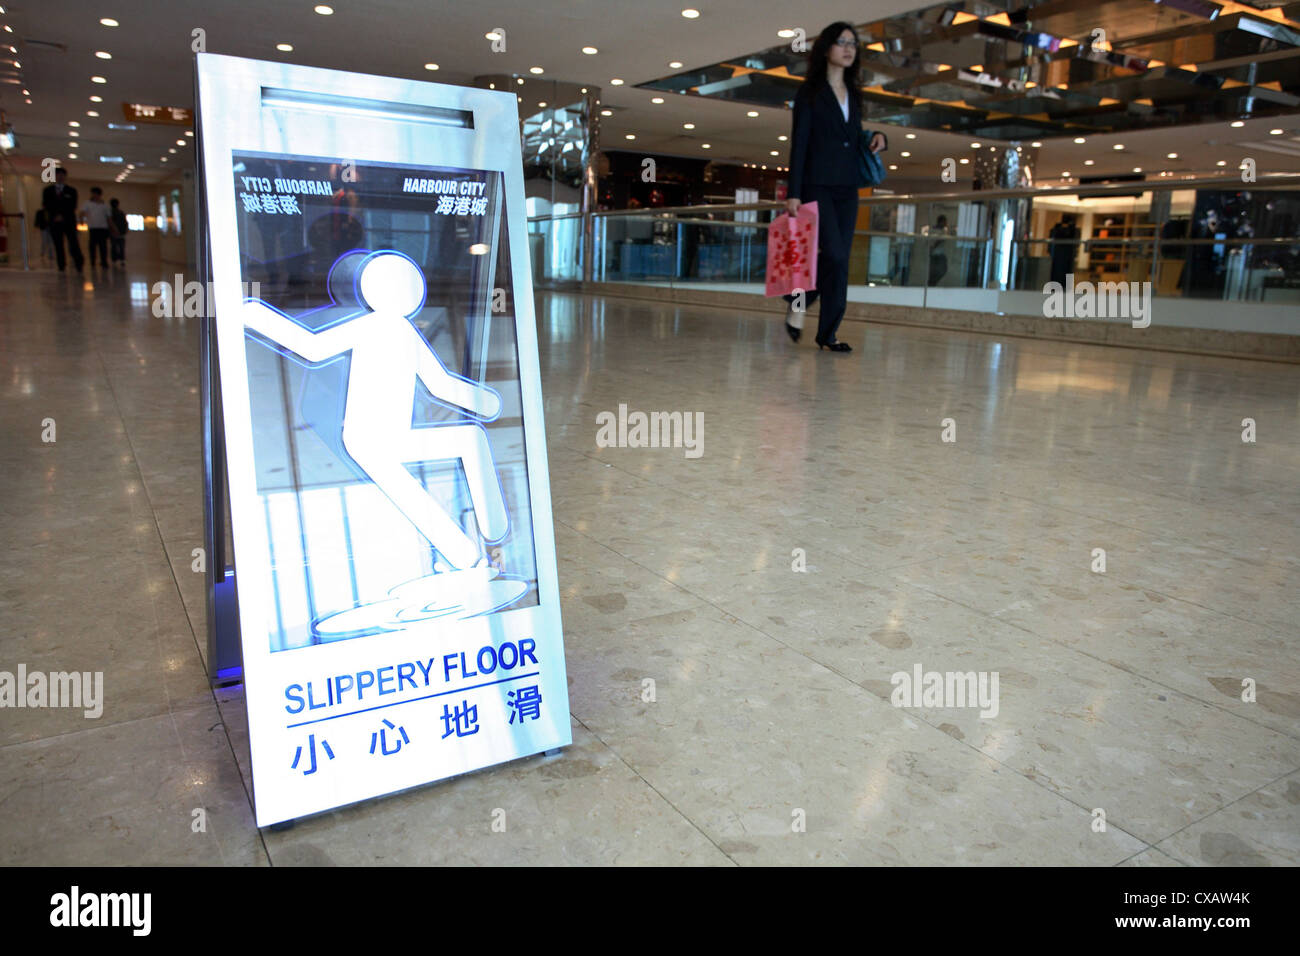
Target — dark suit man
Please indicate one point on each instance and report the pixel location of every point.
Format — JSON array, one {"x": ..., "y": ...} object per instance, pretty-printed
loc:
[{"x": 60, "y": 204}]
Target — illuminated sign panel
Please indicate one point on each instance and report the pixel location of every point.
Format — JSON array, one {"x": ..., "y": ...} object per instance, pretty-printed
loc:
[{"x": 394, "y": 551}]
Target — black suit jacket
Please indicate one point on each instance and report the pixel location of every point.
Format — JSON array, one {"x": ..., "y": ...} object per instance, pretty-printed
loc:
[
  {"x": 823, "y": 147},
  {"x": 56, "y": 205}
]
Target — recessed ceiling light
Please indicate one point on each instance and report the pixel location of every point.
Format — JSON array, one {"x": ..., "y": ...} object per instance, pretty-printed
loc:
[
  {"x": 108, "y": 22},
  {"x": 1080, "y": 139},
  {"x": 1036, "y": 144},
  {"x": 675, "y": 65},
  {"x": 73, "y": 123},
  {"x": 519, "y": 80},
  {"x": 73, "y": 133},
  {"x": 103, "y": 54},
  {"x": 284, "y": 47},
  {"x": 181, "y": 142},
  {"x": 535, "y": 69},
  {"x": 705, "y": 146},
  {"x": 905, "y": 154},
  {"x": 72, "y": 155},
  {"x": 893, "y": 167},
  {"x": 1237, "y": 124},
  {"x": 324, "y": 11},
  {"x": 974, "y": 145},
  {"x": 1276, "y": 132},
  {"x": 688, "y": 126},
  {"x": 72, "y": 146},
  {"x": 96, "y": 99},
  {"x": 615, "y": 82},
  {"x": 629, "y": 135},
  {"x": 431, "y": 66},
  {"x": 911, "y": 136},
  {"x": 1137, "y": 169},
  {"x": 606, "y": 112},
  {"x": 92, "y": 113},
  {"x": 690, "y": 13},
  {"x": 491, "y": 36},
  {"x": 590, "y": 50},
  {"x": 1065, "y": 175},
  {"x": 98, "y": 79},
  {"x": 785, "y": 34},
  {"x": 774, "y": 153},
  {"x": 1118, "y": 146},
  {"x": 1171, "y": 155},
  {"x": 172, "y": 150},
  {"x": 1089, "y": 162},
  {"x": 189, "y": 132},
  {"x": 657, "y": 99},
  {"x": 1222, "y": 162},
  {"x": 964, "y": 161},
  {"x": 783, "y": 137},
  {"x": 542, "y": 105},
  {"x": 162, "y": 159}
]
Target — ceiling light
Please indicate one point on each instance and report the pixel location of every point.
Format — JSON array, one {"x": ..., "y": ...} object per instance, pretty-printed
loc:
[
  {"x": 1276, "y": 132},
  {"x": 774, "y": 153},
  {"x": 911, "y": 136},
  {"x": 1065, "y": 175},
  {"x": 189, "y": 132},
  {"x": 1137, "y": 169},
  {"x": 431, "y": 66},
  {"x": 1222, "y": 162},
  {"x": 675, "y": 65},
  {"x": 491, "y": 36},
  {"x": 108, "y": 22},
  {"x": 705, "y": 146},
  {"x": 785, "y": 34},
  {"x": 1238, "y": 124},
  {"x": 629, "y": 135},
  {"x": 783, "y": 137},
  {"x": 606, "y": 112},
  {"x": 72, "y": 146},
  {"x": 92, "y": 113},
  {"x": 1171, "y": 156},
  {"x": 615, "y": 82},
  {"x": 535, "y": 69},
  {"x": 73, "y": 133},
  {"x": 690, "y": 13},
  {"x": 96, "y": 99},
  {"x": 688, "y": 126},
  {"x": 964, "y": 161},
  {"x": 905, "y": 154},
  {"x": 1089, "y": 162},
  {"x": 752, "y": 113},
  {"x": 73, "y": 123},
  {"x": 590, "y": 50},
  {"x": 542, "y": 105},
  {"x": 103, "y": 55},
  {"x": 181, "y": 142},
  {"x": 974, "y": 145},
  {"x": 1080, "y": 140},
  {"x": 172, "y": 150},
  {"x": 324, "y": 11},
  {"x": 1118, "y": 146},
  {"x": 72, "y": 155},
  {"x": 98, "y": 79},
  {"x": 1036, "y": 144},
  {"x": 284, "y": 47},
  {"x": 893, "y": 167},
  {"x": 657, "y": 99}
]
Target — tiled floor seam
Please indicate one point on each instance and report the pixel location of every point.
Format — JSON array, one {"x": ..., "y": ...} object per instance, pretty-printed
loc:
[
  {"x": 856, "y": 685},
  {"x": 1200, "y": 819}
]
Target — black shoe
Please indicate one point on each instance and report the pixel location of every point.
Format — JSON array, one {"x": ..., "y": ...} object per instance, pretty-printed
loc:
[
  {"x": 793, "y": 332},
  {"x": 834, "y": 346}
]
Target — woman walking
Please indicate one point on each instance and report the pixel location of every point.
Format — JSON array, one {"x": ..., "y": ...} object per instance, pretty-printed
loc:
[{"x": 824, "y": 144}]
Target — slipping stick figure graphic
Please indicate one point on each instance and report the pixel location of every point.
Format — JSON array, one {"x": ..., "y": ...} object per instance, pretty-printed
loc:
[{"x": 388, "y": 355}]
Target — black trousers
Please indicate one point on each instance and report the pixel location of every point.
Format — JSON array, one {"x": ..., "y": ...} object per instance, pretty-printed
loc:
[
  {"x": 837, "y": 216},
  {"x": 99, "y": 240},
  {"x": 59, "y": 232}
]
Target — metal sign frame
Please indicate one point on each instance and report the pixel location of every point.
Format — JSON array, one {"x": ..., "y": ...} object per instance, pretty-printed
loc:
[{"x": 258, "y": 107}]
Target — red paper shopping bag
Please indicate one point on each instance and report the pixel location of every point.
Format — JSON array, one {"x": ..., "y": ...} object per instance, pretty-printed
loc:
[{"x": 792, "y": 252}]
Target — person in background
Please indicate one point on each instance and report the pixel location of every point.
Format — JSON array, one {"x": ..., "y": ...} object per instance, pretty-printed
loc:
[
  {"x": 95, "y": 215},
  {"x": 117, "y": 233},
  {"x": 1063, "y": 248},
  {"x": 938, "y": 255},
  {"x": 825, "y": 131},
  {"x": 59, "y": 200}
]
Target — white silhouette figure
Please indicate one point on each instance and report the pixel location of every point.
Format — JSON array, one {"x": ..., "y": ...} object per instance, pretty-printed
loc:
[{"x": 388, "y": 354}]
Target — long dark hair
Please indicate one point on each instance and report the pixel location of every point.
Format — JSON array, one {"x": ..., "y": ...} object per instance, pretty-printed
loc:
[{"x": 816, "y": 78}]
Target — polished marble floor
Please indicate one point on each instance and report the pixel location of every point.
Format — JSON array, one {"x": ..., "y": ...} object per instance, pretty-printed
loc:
[{"x": 1121, "y": 736}]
